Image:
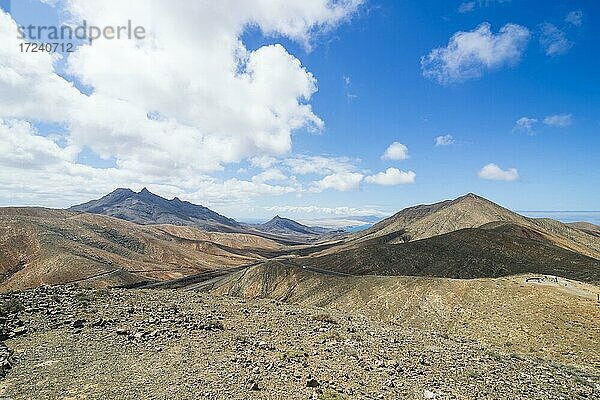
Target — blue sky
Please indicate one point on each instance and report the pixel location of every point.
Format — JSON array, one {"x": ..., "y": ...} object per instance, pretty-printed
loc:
[{"x": 372, "y": 90}]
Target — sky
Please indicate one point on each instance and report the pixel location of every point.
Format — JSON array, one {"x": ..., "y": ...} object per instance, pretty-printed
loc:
[{"x": 305, "y": 108}]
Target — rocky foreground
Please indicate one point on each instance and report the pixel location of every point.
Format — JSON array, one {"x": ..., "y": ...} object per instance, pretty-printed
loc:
[{"x": 73, "y": 343}]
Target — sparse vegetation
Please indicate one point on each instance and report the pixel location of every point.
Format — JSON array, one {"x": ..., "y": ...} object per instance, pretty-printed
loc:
[
  {"x": 334, "y": 335},
  {"x": 331, "y": 395},
  {"x": 473, "y": 374},
  {"x": 326, "y": 318},
  {"x": 293, "y": 355}
]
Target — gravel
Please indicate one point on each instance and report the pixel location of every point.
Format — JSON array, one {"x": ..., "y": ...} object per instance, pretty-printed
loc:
[{"x": 67, "y": 342}]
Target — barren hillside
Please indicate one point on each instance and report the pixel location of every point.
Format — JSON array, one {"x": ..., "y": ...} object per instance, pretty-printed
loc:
[
  {"x": 472, "y": 211},
  {"x": 41, "y": 246},
  {"x": 65, "y": 342},
  {"x": 542, "y": 318}
]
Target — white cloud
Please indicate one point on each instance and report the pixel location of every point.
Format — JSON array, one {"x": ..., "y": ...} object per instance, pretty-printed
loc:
[
  {"x": 212, "y": 101},
  {"x": 445, "y": 140},
  {"x": 21, "y": 147},
  {"x": 466, "y": 7},
  {"x": 343, "y": 182},
  {"x": 347, "y": 84},
  {"x": 51, "y": 3},
  {"x": 554, "y": 41},
  {"x": 270, "y": 175},
  {"x": 248, "y": 189},
  {"x": 526, "y": 124},
  {"x": 559, "y": 120},
  {"x": 395, "y": 151},
  {"x": 469, "y": 6},
  {"x": 319, "y": 165},
  {"x": 470, "y": 54},
  {"x": 263, "y": 162},
  {"x": 338, "y": 211},
  {"x": 392, "y": 176},
  {"x": 575, "y": 18},
  {"x": 495, "y": 173},
  {"x": 34, "y": 165}
]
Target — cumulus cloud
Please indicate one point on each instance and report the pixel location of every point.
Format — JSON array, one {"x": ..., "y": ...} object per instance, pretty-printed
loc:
[
  {"x": 469, "y": 55},
  {"x": 559, "y": 120},
  {"x": 207, "y": 101},
  {"x": 395, "y": 151},
  {"x": 32, "y": 164},
  {"x": 391, "y": 177},
  {"x": 526, "y": 124},
  {"x": 270, "y": 175},
  {"x": 319, "y": 165},
  {"x": 263, "y": 162},
  {"x": 554, "y": 41},
  {"x": 21, "y": 147},
  {"x": 575, "y": 18},
  {"x": 343, "y": 182},
  {"x": 495, "y": 173},
  {"x": 445, "y": 140}
]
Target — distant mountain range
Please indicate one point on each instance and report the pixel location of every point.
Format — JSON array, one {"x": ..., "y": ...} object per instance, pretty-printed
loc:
[
  {"x": 468, "y": 237},
  {"x": 286, "y": 226},
  {"x": 147, "y": 208}
]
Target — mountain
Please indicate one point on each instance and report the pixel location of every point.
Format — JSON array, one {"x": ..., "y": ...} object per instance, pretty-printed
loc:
[
  {"x": 148, "y": 208},
  {"x": 422, "y": 221},
  {"x": 286, "y": 226},
  {"x": 492, "y": 251},
  {"x": 43, "y": 246},
  {"x": 587, "y": 227},
  {"x": 472, "y": 211}
]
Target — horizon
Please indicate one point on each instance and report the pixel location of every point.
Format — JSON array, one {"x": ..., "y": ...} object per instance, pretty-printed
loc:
[
  {"x": 330, "y": 110},
  {"x": 591, "y": 216}
]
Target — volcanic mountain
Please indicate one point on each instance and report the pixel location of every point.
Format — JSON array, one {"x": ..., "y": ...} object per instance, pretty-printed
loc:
[
  {"x": 286, "y": 226},
  {"x": 147, "y": 208},
  {"x": 472, "y": 211}
]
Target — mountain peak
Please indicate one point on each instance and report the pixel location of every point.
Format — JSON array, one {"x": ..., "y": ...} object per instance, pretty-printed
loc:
[
  {"x": 281, "y": 225},
  {"x": 146, "y": 207},
  {"x": 122, "y": 191},
  {"x": 426, "y": 220},
  {"x": 469, "y": 196}
]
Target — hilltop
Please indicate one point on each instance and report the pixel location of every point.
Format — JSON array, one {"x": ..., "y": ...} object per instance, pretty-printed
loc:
[
  {"x": 473, "y": 211},
  {"x": 146, "y": 208},
  {"x": 286, "y": 226}
]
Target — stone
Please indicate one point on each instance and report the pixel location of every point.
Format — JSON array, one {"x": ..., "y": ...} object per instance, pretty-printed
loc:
[
  {"x": 312, "y": 383},
  {"x": 77, "y": 324},
  {"x": 21, "y": 330}
]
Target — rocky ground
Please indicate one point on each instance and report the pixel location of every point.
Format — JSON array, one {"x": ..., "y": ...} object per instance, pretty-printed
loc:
[{"x": 71, "y": 343}]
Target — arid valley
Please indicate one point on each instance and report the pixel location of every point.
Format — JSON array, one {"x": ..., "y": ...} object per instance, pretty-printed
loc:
[{"x": 458, "y": 299}]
